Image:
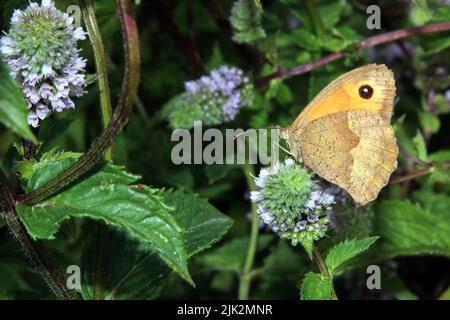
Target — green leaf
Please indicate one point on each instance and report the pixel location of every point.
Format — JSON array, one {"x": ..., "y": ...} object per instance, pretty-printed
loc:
[
  {"x": 281, "y": 269},
  {"x": 316, "y": 287},
  {"x": 306, "y": 40},
  {"x": 439, "y": 173},
  {"x": 106, "y": 195},
  {"x": 202, "y": 222},
  {"x": 13, "y": 111},
  {"x": 405, "y": 229},
  {"x": 346, "y": 250},
  {"x": 420, "y": 13},
  {"x": 231, "y": 256},
  {"x": 436, "y": 45},
  {"x": 441, "y": 14},
  {"x": 132, "y": 272},
  {"x": 330, "y": 13},
  {"x": 246, "y": 21},
  {"x": 421, "y": 147},
  {"x": 429, "y": 122}
]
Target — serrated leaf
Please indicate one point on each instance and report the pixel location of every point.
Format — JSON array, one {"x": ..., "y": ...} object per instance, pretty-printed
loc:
[
  {"x": 405, "y": 229},
  {"x": 13, "y": 111},
  {"x": 316, "y": 287},
  {"x": 346, "y": 250},
  {"x": 134, "y": 273},
  {"x": 106, "y": 195},
  {"x": 202, "y": 222}
]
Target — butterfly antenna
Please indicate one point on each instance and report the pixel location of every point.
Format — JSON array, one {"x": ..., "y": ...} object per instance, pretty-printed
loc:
[
  {"x": 284, "y": 149},
  {"x": 241, "y": 134}
]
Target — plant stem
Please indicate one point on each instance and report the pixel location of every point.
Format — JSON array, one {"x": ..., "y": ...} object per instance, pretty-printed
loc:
[
  {"x": 363, "y": 44},
  {"x": 34, "y": 250},
  {"x": 315, "y": 17},
  {"x": 189, "y": 51},
  {"x": 106, "y": 112},
  {"x": 119, "y": 119},
  {"x": 246, "y": 274},
  {"x": 323, "y": 269},
  {"x": 416, "y": 174},
  {"x": 100, "y": 64},
  {"x": 410, "y": 156}
]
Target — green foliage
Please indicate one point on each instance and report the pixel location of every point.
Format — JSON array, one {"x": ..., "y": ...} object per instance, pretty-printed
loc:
[
  {"x": 316, "y": 287},
  {"x": 133, "y": 270},
  {"x": 246, "y": 21},
  {"x": 231, "y": 256},
  {"x": 346, "y": 250},
  {"x": 202, "y": 222},
  {"x": 135, "y": 240},
  {"x": 13, "y": 111},
  {"x": 407, "y": 229},
  {"x": 109, "y": 196}
]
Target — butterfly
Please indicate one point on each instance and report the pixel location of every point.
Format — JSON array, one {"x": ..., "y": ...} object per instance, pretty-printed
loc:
[{"x": 345, "y": 135}]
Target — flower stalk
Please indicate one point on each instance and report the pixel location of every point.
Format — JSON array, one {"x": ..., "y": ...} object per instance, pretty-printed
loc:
[
  {"x": 119, "y": 118},
  {"x": 100, "y": 64},
  {"x": 246, "y": 274},
  {"x": 323, "y": 269}
]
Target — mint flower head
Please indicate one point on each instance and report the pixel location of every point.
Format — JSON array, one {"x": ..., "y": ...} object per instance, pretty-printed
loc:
[
  {"x": 212, "y": 99},
  {"x": 292, "y": 203},
  {"x": 40, "y": 49}
]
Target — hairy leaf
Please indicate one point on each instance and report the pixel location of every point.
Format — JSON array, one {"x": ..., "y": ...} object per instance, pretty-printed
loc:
[
  {"x": 106, "y": 195},
  {"x": 346, "y": 250},
  {"x": 316, "y": 287},
  {"x": 132, "y": 271}
]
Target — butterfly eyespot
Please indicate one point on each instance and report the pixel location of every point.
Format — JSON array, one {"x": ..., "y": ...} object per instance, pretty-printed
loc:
[{"x": 366, "y": 91}]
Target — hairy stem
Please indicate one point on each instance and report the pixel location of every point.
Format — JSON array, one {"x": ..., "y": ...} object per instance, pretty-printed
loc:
[
  {"x": 100, "y": 64},
  {"x": 363, "y": 44},
  {"x": 119, "y": 118},
  {"x": 34, "y": 250},
  {"x": 323, "y": 268},
  {"x": 246, "y": 274},
  {"x": 106, "y": 112}
]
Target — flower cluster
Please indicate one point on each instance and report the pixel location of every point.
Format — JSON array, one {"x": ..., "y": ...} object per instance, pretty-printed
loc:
[
  {"x": 292, "y": 203},
  {"x": 212, "y": 99},
  {"x": 40, "y": 49}
]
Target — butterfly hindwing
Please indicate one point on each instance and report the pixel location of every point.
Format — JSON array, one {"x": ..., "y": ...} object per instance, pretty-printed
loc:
[{"x": 345, "y": 135}]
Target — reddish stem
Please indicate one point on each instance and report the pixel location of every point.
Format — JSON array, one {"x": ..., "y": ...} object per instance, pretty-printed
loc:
[{"x": 363, "y": 44}]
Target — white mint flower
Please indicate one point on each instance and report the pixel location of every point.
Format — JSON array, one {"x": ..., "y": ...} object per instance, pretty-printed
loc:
[
  {"x": 213, "y": 99},
  {"x": 292, "y": 203},
  {"x": 40, "y": 49}
]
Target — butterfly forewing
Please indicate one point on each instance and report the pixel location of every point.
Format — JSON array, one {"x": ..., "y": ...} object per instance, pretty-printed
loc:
[{"x": 345, "y": 135}]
